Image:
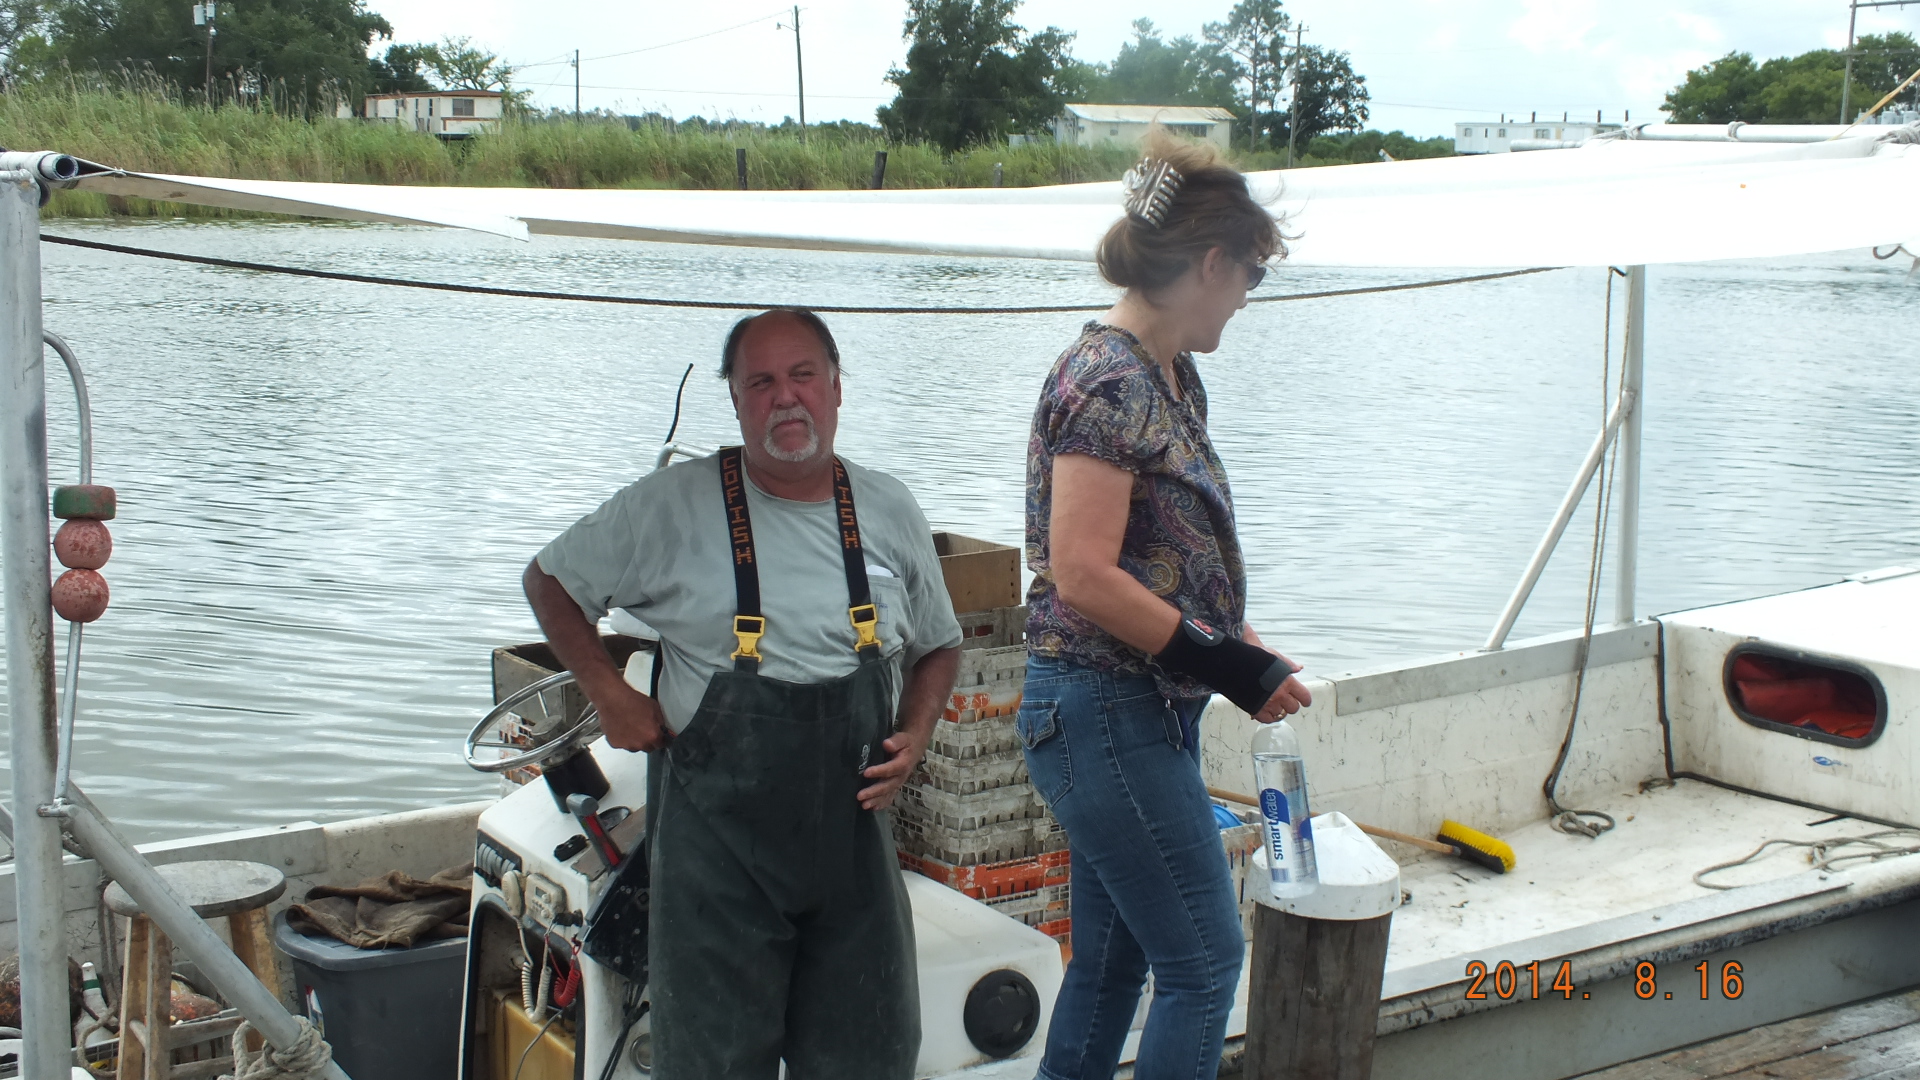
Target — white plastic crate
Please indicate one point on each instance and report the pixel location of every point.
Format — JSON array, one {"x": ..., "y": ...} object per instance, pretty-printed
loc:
[
  {"x": 993, "y": 629},
  {"x": 1016, "y": 802},
  {"x": 1240, "y": 843},
  {"x": 994, "y": 843},
  {"x": 968, "y": 776},
  {"x": 973, "y": 739},
  {"x": 988, "y": 684},
  {"x": 1035, "y": 907}
]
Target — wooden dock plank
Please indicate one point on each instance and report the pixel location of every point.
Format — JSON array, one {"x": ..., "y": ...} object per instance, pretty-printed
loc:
[
  {"x": 1878, "y": 1038},
  {"x": 1872, "y": 1058}
]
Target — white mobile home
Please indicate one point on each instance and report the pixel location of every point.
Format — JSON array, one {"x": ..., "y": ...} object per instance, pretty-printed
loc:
[
  {"x": 1498, "y": 137},
  {"x": 450, "y": 114},
  {"x": 1092, "y": 125}
]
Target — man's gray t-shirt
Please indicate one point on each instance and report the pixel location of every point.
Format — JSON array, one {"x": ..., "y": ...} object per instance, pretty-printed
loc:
[{"x": 659, "y": 548}]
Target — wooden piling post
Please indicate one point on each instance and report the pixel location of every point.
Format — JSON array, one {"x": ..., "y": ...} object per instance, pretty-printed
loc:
[
  {"x": 879, "y": 169},
  {"x": 1316, "y": 992},
  {"x": 740, "y": 166},
  {"x": 1319, "y": 961}
]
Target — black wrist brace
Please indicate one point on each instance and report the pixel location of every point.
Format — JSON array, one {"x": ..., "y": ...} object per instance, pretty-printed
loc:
[{"x": 1243, "y": 674}]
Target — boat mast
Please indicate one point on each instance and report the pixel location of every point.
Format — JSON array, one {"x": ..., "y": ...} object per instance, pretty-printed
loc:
[
  {"x": 25, "y": 569},
  {"x": 1623, "y": 423},
  {"x": 1628, "y": 475}
]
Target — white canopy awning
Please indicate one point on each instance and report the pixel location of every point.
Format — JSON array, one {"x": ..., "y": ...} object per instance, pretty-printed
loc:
[{"x": 1612, "y": 202}]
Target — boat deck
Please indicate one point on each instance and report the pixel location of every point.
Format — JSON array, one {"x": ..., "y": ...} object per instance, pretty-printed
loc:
[
  {"x": 1574, "y": 896},
  {"x": 1878, "y": 1039},
  {"x": 1562, "y": 882}
]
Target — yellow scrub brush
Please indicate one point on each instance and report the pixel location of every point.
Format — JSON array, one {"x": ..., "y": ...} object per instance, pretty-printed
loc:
[
  {"x": 1475, "y": 846},
  {"x": 1455, "y": 839}
]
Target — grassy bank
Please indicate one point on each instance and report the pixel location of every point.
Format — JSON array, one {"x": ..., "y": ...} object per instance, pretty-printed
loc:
[
  {"x": 149, "y": 132},
  {"x": 146, "y": 129}
]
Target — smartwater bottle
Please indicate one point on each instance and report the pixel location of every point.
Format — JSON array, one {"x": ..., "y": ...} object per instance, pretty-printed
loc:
[{"x": 1281, "y": 776}]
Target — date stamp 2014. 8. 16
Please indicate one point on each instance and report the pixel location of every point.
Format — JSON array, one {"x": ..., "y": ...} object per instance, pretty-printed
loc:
[{"x": 1506, "y": 982}]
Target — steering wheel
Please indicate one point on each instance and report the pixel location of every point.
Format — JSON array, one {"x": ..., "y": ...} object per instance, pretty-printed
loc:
[{"x": 555, "y": 747}]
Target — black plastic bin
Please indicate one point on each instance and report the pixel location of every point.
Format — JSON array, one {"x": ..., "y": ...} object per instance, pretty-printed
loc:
[{"x": 390, "y": 1014}]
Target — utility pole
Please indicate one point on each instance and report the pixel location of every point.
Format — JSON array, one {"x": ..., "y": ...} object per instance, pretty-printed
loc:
[
  {"x": 1293, "y": 91},
  {"x": 1846, "y": 80},
  {"x": 1853, "y": 15},
  {"x": 576, "y": 85},
  {"x": 203, "y": 16},
  {"x": 799, "y": 70}
]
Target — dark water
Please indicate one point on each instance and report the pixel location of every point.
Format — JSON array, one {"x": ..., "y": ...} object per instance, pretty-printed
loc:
[{"x": 328, "y": 490}]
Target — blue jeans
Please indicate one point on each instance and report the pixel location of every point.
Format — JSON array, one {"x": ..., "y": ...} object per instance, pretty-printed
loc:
[{"x": 1151, "y": 887}]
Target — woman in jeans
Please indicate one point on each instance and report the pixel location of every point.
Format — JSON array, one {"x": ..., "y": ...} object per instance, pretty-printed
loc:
[{"x": 1137, "y": 616}]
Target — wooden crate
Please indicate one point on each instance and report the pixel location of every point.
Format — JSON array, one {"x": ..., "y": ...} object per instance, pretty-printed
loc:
[
  {"x": 516, "y": 667},
  {"x": 981, "y": 575}
]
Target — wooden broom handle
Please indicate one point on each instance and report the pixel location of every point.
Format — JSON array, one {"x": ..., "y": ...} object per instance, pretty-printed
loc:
[{"x": 1370, "y": 830}]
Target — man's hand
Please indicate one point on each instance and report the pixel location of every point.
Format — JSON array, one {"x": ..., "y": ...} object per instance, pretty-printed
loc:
[
  {"x": 905, "y": 749},
  {"x": 630, "y": 719}
]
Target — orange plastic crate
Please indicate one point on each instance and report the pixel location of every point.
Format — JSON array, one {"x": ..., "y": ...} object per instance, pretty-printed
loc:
[{"x": 991, "y": 880}]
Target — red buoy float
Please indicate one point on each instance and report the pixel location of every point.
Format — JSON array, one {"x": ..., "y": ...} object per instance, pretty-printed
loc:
[
  {"x": 83, "y": 544},
  {"x": 80, "y": 595}
]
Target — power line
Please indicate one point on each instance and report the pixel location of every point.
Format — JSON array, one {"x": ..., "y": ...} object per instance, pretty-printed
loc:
[
  {"x": 670, "y": 44},
  {"x": 733, "y": 305}
]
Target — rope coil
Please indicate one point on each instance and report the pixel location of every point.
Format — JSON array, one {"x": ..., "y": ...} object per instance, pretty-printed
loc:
[{"x": 306, "y": 1059}]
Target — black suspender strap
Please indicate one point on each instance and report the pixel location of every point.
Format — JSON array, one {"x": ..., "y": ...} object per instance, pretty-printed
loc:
[
  {"x": 749, "y": 626},
  {"x": 860, "y": 610}
]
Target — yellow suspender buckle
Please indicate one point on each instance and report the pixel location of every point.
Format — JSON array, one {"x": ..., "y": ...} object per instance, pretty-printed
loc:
[
  {"x": 866, "y": 623},
  {"x": 749, "y": 629}
]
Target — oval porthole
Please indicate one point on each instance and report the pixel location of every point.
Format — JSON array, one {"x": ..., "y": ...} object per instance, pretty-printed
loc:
[
  {"x": 1002, "y": 1013},
  {"x": 1813, "y": 697}
]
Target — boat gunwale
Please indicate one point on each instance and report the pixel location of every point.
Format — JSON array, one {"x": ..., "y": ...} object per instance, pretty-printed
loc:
[{"x": 1802, "y": 901}]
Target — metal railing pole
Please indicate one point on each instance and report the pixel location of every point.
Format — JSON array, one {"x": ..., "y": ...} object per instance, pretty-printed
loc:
[
  {"x": 1621, "y": 410},
  {"x": 24, "y": 568},
  {"x": 186, "y": 930},
  {"x": 1627, "y": 479}
]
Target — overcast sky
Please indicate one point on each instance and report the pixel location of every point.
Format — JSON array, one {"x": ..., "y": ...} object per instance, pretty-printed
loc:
[{"x": 1427, "y": 62}]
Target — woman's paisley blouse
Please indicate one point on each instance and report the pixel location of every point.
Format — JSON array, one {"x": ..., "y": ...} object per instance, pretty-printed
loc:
[{"x": 1107, "y": 399}]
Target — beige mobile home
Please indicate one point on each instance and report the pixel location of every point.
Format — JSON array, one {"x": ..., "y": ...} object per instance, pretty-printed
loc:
[
  {"x": 450, "y": 114},
  {"x": 1092, "y": 125}
]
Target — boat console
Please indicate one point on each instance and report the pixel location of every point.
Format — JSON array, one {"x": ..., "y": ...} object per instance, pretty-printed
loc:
[{"x": 539, "y": 1007}]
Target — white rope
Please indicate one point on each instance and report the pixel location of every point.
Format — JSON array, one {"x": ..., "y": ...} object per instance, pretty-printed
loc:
[
  {"x": 1826, "y": 854},
  {"x": 304, "y": 1060}
]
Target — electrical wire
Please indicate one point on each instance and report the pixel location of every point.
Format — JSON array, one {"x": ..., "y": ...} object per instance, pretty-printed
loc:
[
  {"x": 666, "y": 44},
  {"x": 533, "y": 1042},
  {"x": 735, "y": 305},
  {"x": 677, "y": 396}
]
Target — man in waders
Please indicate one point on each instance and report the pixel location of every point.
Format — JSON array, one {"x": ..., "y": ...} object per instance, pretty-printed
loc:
[{"x": 807, "y": 647}]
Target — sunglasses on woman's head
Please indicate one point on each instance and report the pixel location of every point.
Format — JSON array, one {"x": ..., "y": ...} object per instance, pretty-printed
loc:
[{"x": 1256, "y": 274}]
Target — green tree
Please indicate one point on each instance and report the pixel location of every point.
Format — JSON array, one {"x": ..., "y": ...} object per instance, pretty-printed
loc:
[
  {"x": 1254, "y": 38},
  {"x": 399, "y": 71},
  {"x": 460, "y": 65},
  {"x": 973, "y": 75},
  {"x": 1367, "y": 146},
  {"x": 1725, "y": 89},
  {"x": 1153, "y": 71},
  {"x": 1330, "y": 97},
  {"x": 310, "y": 45},
  {"x": 1882, "y": 62},
  {"x": 19, "y": 20},
  {"x": 1802, "y": 89}
]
